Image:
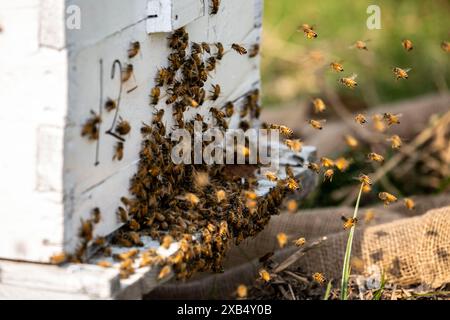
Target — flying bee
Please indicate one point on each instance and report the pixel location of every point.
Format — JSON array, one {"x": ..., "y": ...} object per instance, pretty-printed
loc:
[
  {"x": 295, "y": 145},
  {"x": 351, "y": 141},
  {"x": 127, "y": 72},
  {"x": 314, "y": 167},
  {"x": 285, "y": 131},
  {"x": 349, "y": 222},
  {"x": 241, "y": 291},
  {"x": 271, "y": 176},
  {"x": 292, "y": 184},
  {"x": 239, "y": 49},
  {"x": 350, "y": 81},
  {"x": 229, "y": 109},
  {"x": 319, "y": 105},
  {"x": 369, "y": 215},
  {"x": 360, "y": 118},
  {"x": 58, "y": 258},
  {"x": 300, "y": 242},
  {"x": 409, "y": 204},
  {"x": 123, "y": 127},
  {"x": 392, "y": 118},
  {"x": 361, "y": 45},
  {"x": 264, "y": 275},
  {"x": 364, "y": 179},
  {"x": 326, "y": 162},
  {"x": 134, "y": 49},
  {"x": 215, "y": 5},
  {"x": 154, "y": 95},
  {"x": 375, "y": 157},
  {"x": 336, "y": 66},
  {"x": 254, "y": 50},
  {"x": 215, "y": 93},
  {"x": 206, "y": 47},
  {"x": 378, "y": 123},
  {"x": 407, "y": 45},
  {"x": 401, "y": 73},
  {"x": 118, "y": 151},
  {"x": 110, "y": 105},
  {"x": 445, "y": 45},
  {"x": 96, "y": 215},
  {"x": 317, "y": 124},
  {"x": 342, "y": 164},
  {"x": 319, "y": 278},
  {"x": 220, "y": 51},
  {"x": 396, "y": 141},
  {"x": 308, "y": 31},
  {"x": 328, "y": 175},
  {"x": 91, "y": 127},
  {"x": 387, "y": 198},
  {"x": 282, "y": 239}
]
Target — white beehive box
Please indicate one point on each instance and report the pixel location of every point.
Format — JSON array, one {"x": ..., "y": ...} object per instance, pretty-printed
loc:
[{"x": 52, "y": 76}]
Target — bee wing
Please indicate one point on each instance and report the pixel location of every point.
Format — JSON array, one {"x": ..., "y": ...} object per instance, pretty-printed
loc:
[
  {"x": 408, "y": 69},
  {"x": 343, "y": 218},
  {"x": 353, "y": 76}
]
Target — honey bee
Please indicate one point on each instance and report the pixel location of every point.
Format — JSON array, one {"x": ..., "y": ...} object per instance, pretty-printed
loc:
[
  {"x": 308, "y": 31},
  {"x": 221, "y": 195},
  {"x": 328, "y": 175},
  {"x": 378, "y": 123},
  {"x": 336, "y": 66},
  {"x": 445, "y": 45},
  {"x": 295, "y": 145},
  {"x": 365, "y": 180},
  {"x": 292, "y": 206},
  {"x": 254, "y": 51},
  {"x": 396, "y": 141},
  {"x": 215, "y": 93},
  {"x": 387, "y": 198},
  {"x": 191, "y": 198},
  {"x": 250, "y": 195},
  {"x": 319, "y": 105},
  {"x": 319, "y": 278},
  {"x": 158, "y": 116},
  {"x": 134, "y": 225},
  {"x": 206, "y": 47},
  {"x": 215, "y": 5},
  {"x": 104, "y": 264},
  {"x": 375, "y": 157},
  {"x": 100, "y": 241},
  {"x": 91, "y": 127},
  {"x": 407, "y": 45},
  {"x": 122, "y": 214},
  {"x": 401, "y": 73},
  {"x": 409, "y": 204},
  {"x": 123, "y": 127},
  {"x": 118, "y": 151},
  {"x": 134, "y": 49},
  {"x": 350, "y": 81},
  {"x": 360, "y": 118},
  {"x": 96, "y": 215},
  {"x": 366, "y": 188},
  {"x": 349, "y": 222},
  {"x": 241, "y": 291},
  {"x": 271, "y": 176},
  {"x": 361, "y": 45},
  {"x": 220, "y": 51},
  {"x": 58, "y": 258},
  {"x": 342, "y": 164},
  {"x": 229, "y": 109},
  {"x": 326, "y": 162},
  {"x": 239, "y": 49},
  {"x": 154, "y": 95},
  {"x": 351, "y": 141},
  {"x": 127, "y": 72},
  {"x": 285, "y": 131},
  {"x": 392, "y": 118},
  {"x": 126, "y": 269},
  {"x": 300, "y": 242},
  {"x": 166, "y": 242},
  {"x": 369, "y": 215},
  {"x": 282, "y": 239},
  {"x": 314, "y": 167},
  {"x": 264, "y": 275},
  {"x": 316, "y": 124},
  {"x": 110, "y": 105},
  {"x": 161, "y": 77},
  {"x": 292, "y": 184}
]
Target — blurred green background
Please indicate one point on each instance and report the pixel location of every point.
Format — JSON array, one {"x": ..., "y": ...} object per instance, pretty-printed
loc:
[{"x": 294, "y": 67}]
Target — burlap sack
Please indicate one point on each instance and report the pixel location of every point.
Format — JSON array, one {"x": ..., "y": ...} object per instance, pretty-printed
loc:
[{"x": 409, "y": 246}]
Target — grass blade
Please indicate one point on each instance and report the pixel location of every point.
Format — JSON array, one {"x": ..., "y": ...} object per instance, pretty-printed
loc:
[
  {"x": 348, "y": 252},
  {"x": 328, "y": 290}
]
